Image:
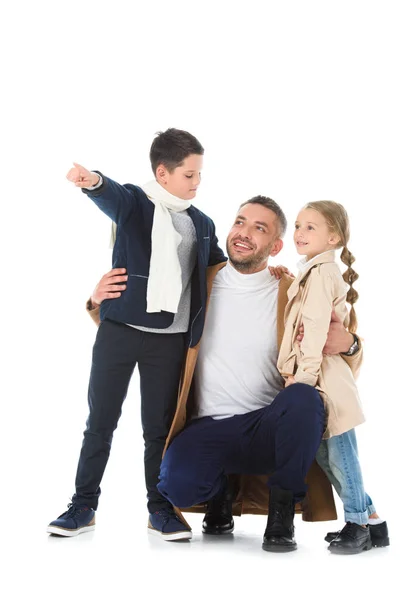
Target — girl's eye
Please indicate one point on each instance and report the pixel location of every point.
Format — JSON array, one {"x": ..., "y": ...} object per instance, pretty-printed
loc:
[
  {"x": 311, "y": 228},
  {"x": 189, "y": 176}
]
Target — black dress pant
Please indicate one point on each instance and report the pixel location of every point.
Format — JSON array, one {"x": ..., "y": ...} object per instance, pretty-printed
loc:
[{"x": 116, "y": 351}]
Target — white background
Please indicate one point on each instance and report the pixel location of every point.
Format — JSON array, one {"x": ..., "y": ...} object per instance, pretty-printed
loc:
[{"x": 295, "y": 100}]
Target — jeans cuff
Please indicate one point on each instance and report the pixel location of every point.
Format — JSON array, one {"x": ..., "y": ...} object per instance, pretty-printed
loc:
[
  {"x": 371, "y": 509},
  {"x": 361, "y": 518}
]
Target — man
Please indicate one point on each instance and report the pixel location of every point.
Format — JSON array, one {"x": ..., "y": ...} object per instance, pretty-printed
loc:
[{"x": 243, "y": 423}]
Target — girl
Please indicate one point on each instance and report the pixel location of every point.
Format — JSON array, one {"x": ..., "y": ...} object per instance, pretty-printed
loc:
[{"x": 320, "y": 228}]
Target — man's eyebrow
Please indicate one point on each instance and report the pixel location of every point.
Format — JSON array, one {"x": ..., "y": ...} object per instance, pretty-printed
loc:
[{"x": 242, "y": 218}]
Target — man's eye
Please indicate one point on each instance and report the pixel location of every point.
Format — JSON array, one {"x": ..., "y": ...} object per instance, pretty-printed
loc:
[{"x": 261, "y": 229}]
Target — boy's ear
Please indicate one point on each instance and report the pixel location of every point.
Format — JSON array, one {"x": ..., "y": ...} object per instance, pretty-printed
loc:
[{"x": 162, "y": 173}]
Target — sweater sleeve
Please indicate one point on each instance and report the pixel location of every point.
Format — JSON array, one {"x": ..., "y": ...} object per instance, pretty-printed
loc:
[{"x": 316, "y": 317}]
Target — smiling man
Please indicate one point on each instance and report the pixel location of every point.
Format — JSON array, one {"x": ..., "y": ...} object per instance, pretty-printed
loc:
[{"x": 243, "y": 422}]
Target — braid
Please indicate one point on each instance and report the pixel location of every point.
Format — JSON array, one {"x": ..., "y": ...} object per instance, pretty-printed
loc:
[{"x": 350, "y": 276}]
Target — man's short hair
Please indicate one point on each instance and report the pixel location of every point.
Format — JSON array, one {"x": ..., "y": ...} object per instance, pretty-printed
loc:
[
  {"x": 272, "y": 205},
  {"x": 171, "y": 147}
]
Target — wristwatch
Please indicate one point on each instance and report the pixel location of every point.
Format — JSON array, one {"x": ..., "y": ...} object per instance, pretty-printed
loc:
[{"x": 353, "y": 348}]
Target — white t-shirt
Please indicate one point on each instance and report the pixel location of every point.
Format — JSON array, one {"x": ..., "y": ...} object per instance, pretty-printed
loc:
[{"x": 236, "y": 368}]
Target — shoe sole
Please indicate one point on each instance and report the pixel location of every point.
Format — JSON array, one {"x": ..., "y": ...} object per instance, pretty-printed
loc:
[
  {"x": 220, "y": 532},
  {"x": 378, "y": 543},
  {"x": 69, "y": 532},
  {"x": 381, "y": 543},
  {"x": 335, "y": 550},
  {"x": 170, "y": 537},
  {"x": 279, "y": 548}
]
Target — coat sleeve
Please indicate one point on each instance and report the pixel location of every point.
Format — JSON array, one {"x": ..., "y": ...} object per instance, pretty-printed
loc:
[
  {"x": 94, "y": 313},
  {"x": 216, "y": 254},
  {"x": 316, "y": 317},
  {"x": 115, "y": 200}
]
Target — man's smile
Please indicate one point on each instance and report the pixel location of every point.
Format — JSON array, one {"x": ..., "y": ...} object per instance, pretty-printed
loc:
[{"x": 242, "y": 246}]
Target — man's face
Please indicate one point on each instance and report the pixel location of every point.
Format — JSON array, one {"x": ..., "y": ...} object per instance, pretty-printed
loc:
[
  {"x": 183, "y": 181},
  {"x": 253, "y": 237}
]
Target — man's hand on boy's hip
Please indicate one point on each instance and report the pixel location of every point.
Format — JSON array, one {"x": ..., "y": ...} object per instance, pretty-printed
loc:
[
  {"x": 81, "y": 177},
  {"x": 110, "y": 286},
  {"x": 338, "y": 340}
]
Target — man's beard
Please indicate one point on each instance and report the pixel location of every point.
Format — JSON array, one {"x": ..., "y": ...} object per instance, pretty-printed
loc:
[{"x": 251, "y": 263}]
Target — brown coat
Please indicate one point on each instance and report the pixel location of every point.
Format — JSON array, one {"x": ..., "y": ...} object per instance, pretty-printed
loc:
[{"x": 252, "y": 496}]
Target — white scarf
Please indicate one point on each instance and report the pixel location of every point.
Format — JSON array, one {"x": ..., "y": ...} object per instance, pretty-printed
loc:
[{"x": 164, "y": 287}]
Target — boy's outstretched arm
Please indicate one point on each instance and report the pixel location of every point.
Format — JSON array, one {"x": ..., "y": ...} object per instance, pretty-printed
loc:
[{"x": 115, "y": 200}]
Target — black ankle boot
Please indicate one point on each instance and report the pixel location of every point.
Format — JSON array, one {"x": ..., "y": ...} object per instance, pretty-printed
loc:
[
  {"x": 218, "y": 518},
  {"x": 279, "y": 533}
]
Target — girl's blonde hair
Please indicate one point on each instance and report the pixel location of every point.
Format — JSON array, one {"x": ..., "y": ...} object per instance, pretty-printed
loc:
[{"x": 338, "y": 222}]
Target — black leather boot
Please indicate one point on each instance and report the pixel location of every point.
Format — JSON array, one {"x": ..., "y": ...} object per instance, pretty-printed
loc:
[
  {"x": 351, "y": 540},
  {"x": 218, "y": 518},
  {"x": 279, "y": 533},
  {"x": 379, "y": 535}
]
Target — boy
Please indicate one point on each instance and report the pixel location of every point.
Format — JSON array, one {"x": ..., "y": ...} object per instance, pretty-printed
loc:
[{"x": 166, "y": 245}]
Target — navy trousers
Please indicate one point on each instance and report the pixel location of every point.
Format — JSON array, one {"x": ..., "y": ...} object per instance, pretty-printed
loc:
[
  {"x": 280, "y": 440},
  {"x": 116, "y": 351}
]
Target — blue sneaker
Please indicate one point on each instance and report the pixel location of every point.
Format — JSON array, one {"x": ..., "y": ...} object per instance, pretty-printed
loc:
[
  {"x": 166, "y": 524},
  {"x": 79, "y": 518}
]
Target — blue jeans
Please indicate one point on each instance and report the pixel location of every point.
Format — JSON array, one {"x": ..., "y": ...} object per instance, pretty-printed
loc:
[{"x": 338, "y": 457}]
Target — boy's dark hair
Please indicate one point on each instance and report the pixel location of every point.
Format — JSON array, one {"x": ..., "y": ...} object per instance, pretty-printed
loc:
[
  {"x": 272, "y": 205},
  {"x": 171, "y": 147}
]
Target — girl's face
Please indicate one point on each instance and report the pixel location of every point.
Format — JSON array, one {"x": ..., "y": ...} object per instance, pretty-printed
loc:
[{"x": 311, "y": 234}]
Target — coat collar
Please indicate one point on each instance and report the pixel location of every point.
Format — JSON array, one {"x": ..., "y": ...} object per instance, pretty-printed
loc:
[{"x": 326, "y": 257}]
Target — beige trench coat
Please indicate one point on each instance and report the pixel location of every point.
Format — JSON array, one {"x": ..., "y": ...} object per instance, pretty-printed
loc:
[{"x": 310, "y": 300}]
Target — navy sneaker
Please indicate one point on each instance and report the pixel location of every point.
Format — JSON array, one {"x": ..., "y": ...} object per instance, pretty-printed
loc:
[
  {"x": 166, "y": 524},
  {"x": 79, "y": 518}
]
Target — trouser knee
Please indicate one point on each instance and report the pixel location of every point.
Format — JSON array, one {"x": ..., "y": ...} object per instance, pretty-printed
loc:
[{"x": 178, "y": 489}]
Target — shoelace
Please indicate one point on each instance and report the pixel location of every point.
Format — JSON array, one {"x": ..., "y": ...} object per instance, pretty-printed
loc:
[
  {"x": 74, "y": 509},
  {"x": 350, "y": 530},
  {"x": 166, "y": 514}
]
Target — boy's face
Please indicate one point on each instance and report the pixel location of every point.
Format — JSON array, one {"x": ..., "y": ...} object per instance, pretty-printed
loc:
[{"x": 184, "y": 180}]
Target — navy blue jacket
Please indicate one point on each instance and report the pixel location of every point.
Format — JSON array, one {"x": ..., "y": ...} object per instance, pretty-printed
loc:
[{"x": 128, "y": 206}]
